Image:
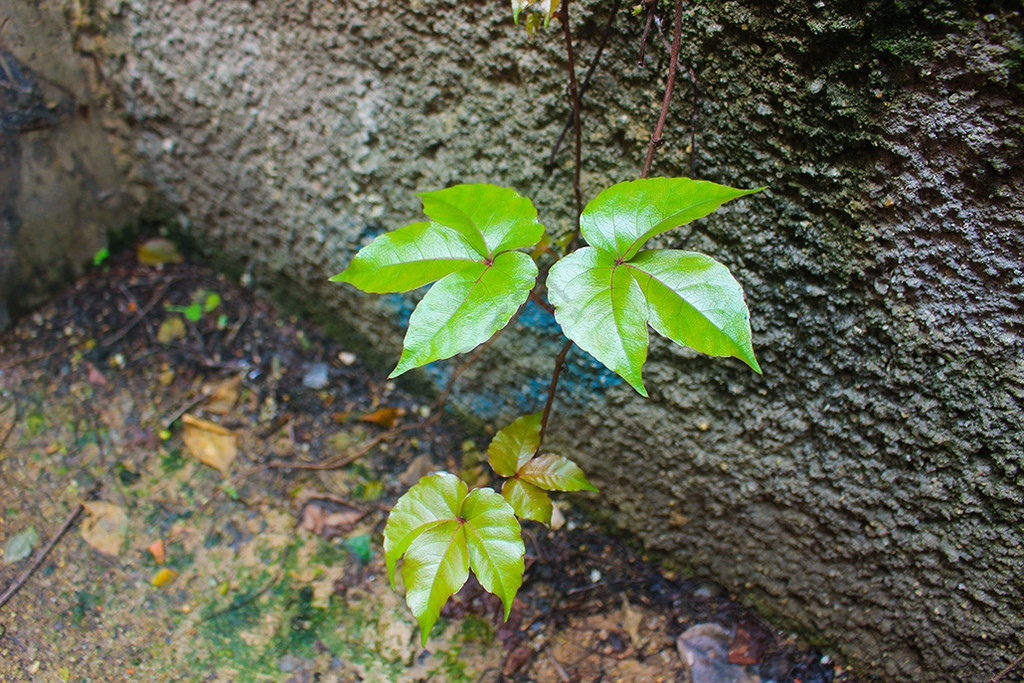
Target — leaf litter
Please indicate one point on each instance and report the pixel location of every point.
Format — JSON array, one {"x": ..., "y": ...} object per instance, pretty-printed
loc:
[{"x": 197, "y": 561}]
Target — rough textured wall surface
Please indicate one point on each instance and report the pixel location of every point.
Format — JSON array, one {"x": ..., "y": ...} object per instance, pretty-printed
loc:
[
  {"x": 61, "y": 188},
  {"x": 868, "y": 488}
]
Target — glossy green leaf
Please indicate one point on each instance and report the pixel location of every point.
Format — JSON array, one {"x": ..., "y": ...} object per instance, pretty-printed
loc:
[
  {"x": 468, "y": 248},
  {"x": 623, "y": 217},
  {"x": 694, "y": 301},
  {"x": 606, "y": 294},
  {"x": 528, "y": 501},
  {"x": 513, "y": 446},
  {"x": 408, "y": 258},
  {"x": 442, "y": 530},
  {"x": 436, "y": 566},
  {"x": 465, "y": 308},
  {"x": 600, "y": 307},
  {"x": 492, "y": 219},
  {"x": 496, "y": 548},
  {"x": 434, "y": 500},
  {"x": 554, "y": 473}
]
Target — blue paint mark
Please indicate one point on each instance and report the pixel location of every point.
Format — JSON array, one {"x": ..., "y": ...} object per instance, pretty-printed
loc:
[{"x": 583, "y": 381}]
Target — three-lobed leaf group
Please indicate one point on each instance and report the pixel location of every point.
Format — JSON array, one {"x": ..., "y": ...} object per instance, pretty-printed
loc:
[
  {"x": 513, "y": 454},
  {"x": 442, "y": 529},
  {"x": 469, "y": 248},
  {"x": 605, "y": 295}
]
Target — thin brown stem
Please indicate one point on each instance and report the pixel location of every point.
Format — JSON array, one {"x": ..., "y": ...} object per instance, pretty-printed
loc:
[
  {"x": 585, "y": 86},
  {"x": 574, "y": 96},
  {"x": 540, "y": 302},
  {"x": 1002, "y": 674},
  {"x": 677, "y": 32},
  {"x": 649, "y": 9},
  {"x": 559, "y": 364},
  {"x": 41, "y": 555},
  {"x": 693, "y": 125}
]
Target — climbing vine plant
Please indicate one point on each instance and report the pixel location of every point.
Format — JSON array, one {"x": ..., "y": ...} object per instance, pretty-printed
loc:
[{"x": 607, "y": 288}]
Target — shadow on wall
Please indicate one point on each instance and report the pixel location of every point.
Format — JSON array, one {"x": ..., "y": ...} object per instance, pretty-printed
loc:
[{"x": 59, "y": 188}]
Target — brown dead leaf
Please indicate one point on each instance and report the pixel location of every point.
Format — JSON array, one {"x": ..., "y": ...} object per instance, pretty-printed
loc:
[
  {"x": 383, "y": 417},
  {"x": 105, "y": 527},
  {"x": 631, "y": 622},
  {"x": 157, "y": 550},
  {"x": 420, "y": 467},
  {"x": 95, "y": 376},
  {"x": 324, "y": 522},
  {"x": 170, "y": 330},
  {"x": 209, "y": 442},
  {"x": 222, "y": 395}
]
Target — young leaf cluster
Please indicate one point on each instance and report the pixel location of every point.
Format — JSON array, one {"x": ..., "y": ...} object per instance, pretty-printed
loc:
[{"x": 604, "y": 296}]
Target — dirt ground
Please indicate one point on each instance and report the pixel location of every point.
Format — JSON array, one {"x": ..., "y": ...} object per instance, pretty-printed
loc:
[{"x": 211, "y": 475}]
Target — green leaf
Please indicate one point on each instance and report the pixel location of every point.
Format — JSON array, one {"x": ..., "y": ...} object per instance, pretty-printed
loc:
[
  {"x": 623, "y": 217},
  {"x": 555, "y": 473},
  {"x": 528, "y": 501},
  {"x": 211, "y": 302},
  {"x": 468, "y": 248},
  {"x": 513, "y": 446},
  {"x": 496, "y": 548},
  {"x": 194, "y": 312},
  {"x": 606, "y": 294},
  {"x": 511, "y": 454},
  {"x": 466, "y": 308},
  {"x": 435, "y": 499},
  {"x": 600, "y": 307},
  {"x": 436, "y": 566},
  {"x": 694, "y": 301},
  {"x": 408, "y": 258},
  {"x": 442, "y": 530},
  {"x": 492, "y": 219}
]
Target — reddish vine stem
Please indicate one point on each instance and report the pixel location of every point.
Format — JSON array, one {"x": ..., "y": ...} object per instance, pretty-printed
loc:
[
  {"x": 677, "y": 31},
  {"x": 649, "y": 9},
  {"x": 586, "y": 84},
  {"x": 559, "y": 364},
  {"x": 574, "y": 96},
  {"x": 693, "y": 125}
]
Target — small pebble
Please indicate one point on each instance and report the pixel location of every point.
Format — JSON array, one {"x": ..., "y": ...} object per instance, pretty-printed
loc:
[{"x": 316, "y": 376}]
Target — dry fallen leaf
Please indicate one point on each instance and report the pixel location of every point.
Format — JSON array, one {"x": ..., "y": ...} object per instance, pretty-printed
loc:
[
  {"x": 383, "y": 417},
  {"x": 105, "y": 527},
  {"x": 164, "y": 576},
  {"x": 95, "y": 376},
  {"x": 156, "y": 549},
  {"x": 222, "y": 396},
  {"x": 631, "y": 621},
  {"x": 158, "y": 251},
  {"x": 210, "y": 443},
  {"x": 323, "y": 522},
  {"x": 170, "y": 330}
]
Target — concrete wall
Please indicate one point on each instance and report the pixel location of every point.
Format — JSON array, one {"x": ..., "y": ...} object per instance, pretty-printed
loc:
[
  {"x": 868, "y": 488},
  {"x": 62, "y": 190}
]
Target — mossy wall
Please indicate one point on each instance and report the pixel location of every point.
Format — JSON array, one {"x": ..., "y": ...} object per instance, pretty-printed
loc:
[{"x": 868, "y": 488}]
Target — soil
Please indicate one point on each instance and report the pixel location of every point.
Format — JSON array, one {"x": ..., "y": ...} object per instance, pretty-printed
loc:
[{"x": 262, "y": 561}]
